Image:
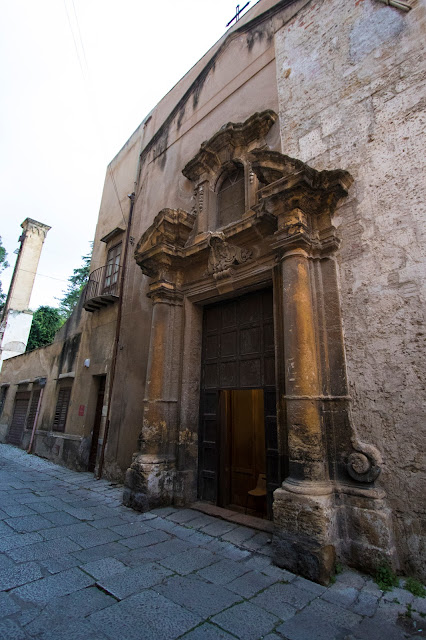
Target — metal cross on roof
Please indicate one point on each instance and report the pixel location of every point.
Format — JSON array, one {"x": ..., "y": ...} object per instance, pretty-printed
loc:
[{"x": 237, "y": 14}]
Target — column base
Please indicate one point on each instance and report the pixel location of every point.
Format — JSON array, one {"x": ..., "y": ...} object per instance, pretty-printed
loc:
[
  {"x": 367, "y": 539},
  {"x": 149, "y": 482},
  {"x": 305, "y": 531}
]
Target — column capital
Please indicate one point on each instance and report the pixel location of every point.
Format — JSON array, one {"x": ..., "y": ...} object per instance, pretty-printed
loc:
[{"x": 165, "y": 292}]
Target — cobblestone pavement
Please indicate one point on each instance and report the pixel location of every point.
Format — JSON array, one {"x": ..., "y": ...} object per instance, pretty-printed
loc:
[{"x": 77, "y": 565}]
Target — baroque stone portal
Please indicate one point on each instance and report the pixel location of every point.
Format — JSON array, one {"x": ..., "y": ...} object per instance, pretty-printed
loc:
[{"x": 327, "y": 503}]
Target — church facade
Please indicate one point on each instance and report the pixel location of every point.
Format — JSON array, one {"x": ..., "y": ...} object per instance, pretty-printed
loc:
[{"x": 252, "y": 336}]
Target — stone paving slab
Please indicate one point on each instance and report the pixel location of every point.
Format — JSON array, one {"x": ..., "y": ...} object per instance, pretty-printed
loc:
[
  {"x": 197, "y": 595},
  {"x": 125, "y": 583},
  {"x": 246, "y": 621},
  {"x": 76, "y": 564},
  {"x": 158, "y": 617},
  {"x": 19, "y": 575},
  {"x": 68, "y": 608},
  {"x": 41, "y": 591}
]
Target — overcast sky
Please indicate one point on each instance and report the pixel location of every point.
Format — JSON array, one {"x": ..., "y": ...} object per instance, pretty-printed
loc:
[{"x": 76, "y": 79}]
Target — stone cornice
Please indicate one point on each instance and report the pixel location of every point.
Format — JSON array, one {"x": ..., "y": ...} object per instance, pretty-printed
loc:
[{"x": 35, "y": 227}]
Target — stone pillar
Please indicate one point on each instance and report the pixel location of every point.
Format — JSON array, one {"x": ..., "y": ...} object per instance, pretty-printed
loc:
[
  {"x": 305, "y": 438},
  {"x": 303, "y": 507},
  {"x": 32, "y": 239},
  {"x": 16, "y": 317},
  {"x": 150, "y": 479}
]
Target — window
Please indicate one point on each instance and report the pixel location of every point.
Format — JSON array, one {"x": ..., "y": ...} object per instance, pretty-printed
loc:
[
  {"x": 112, "y": 270},
  {"x": 231, "y": 197},
  {"x": 61, "y": 410}
]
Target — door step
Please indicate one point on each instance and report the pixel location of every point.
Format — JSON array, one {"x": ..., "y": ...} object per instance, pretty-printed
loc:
[{"x": 233, "y": 516}]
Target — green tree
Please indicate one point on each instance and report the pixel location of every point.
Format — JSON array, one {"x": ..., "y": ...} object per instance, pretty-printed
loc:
[
  {"x": 75, "y": 286},
  {"x": 3, "y": 265},
  {"x": 46, "y": 322}
]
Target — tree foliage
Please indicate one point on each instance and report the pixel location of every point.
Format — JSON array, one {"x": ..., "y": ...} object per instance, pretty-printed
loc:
[
  {"x": 46, "y": 322},
  {"x": 3, "y": 265},
  {"x": 75, "y": 287}
]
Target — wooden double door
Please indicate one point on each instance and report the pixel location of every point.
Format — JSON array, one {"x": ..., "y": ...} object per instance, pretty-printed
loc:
[{"x": 239, "y": 462}]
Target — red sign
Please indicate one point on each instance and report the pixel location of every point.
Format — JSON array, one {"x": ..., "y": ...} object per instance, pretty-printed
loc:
[{"x": 81, "y": 410}]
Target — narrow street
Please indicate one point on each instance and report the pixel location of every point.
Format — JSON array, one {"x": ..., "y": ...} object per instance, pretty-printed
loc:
[{"x": 75, "y": 564}]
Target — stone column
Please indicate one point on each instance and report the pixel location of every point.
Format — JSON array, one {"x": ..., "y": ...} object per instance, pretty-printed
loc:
[
  {"x": 302, "y": 378},
  {"x": 150, "y": 479},
  {"x": 303, "y": 509}
]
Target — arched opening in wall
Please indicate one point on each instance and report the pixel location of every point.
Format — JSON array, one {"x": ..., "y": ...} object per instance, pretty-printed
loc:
[{"x": 231, "y": 197}]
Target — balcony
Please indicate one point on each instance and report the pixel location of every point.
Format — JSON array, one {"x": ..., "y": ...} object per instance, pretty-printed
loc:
[{"x": 103, "y": 288}]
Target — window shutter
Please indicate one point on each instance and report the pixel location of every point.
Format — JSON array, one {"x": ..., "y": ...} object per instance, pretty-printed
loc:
[
  {"x": 62, "y": 409},
  {"x": 33, "y": 409}
]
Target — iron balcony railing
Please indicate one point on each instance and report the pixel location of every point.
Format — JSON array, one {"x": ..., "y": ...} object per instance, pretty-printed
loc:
[{"x": 103, "y": 284}]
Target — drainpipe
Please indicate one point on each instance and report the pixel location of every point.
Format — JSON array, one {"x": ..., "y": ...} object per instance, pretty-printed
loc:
[
  {"x": 42, "y": 383},
  {"x": 98, "y": 474},
  {"x": 132, "y": 196}
]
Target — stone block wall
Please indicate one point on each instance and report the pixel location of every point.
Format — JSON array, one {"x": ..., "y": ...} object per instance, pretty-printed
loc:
[{"x": 352, "y": 89}]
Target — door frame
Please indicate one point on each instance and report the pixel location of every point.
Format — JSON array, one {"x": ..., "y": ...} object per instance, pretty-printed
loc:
[{"x": 274, "y": 470}]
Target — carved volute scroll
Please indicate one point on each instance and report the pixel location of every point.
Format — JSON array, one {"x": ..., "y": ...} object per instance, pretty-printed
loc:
[{"x": 365, "y": 462}]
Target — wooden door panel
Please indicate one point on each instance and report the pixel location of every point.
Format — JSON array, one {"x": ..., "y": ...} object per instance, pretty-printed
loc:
[
  {"x": 208, "y": 446},
  {"x": 237, "y": 353}
]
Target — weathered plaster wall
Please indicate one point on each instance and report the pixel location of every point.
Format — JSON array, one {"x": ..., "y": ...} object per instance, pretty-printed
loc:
[
  {"x": 52, "y": 362},
  {"x": 352, "y": 90}
]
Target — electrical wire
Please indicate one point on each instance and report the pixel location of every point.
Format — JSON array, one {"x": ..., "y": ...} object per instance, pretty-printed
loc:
[{"x": 42, "y": 275}]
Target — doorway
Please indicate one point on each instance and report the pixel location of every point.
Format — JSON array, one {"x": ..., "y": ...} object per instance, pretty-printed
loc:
[
  {"x": 243, "y": 473},
  {"x": 19, "y": 417},
  {"x": 97, "y": 422},
  {"x": 238, "y": 404}
]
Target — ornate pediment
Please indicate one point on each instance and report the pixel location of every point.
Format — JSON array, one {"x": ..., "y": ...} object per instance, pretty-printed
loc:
[
  {"x": 301, "y": 198},
  {"x": 164, "y": 239},
  {"x": 220, "y": 149},
  {"x": 280, "y": 173},
  {"x": 293, "y": 208}
]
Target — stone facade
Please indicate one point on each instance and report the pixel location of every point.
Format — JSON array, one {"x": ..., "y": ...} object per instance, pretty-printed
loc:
[
  {"x": 359, "y": 70},
  {"x": 316, "y": 109}
]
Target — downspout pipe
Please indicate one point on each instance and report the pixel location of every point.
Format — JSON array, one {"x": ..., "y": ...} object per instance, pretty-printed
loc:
[
  {"x": 42, "y": 383},
  {"x": 133, "y": 198},
  {"x": 98, "y": 473}
]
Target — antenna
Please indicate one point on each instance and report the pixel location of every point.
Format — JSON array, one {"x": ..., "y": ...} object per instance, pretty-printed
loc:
[{"x": 237, "y": 13}]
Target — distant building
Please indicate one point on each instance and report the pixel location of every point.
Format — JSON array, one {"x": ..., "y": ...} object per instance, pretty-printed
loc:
[{"x": 262, "y": 349}]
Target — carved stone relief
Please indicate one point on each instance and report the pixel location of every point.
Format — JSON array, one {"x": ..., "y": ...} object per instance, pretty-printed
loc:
[{"x": 223, "y": 255}]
